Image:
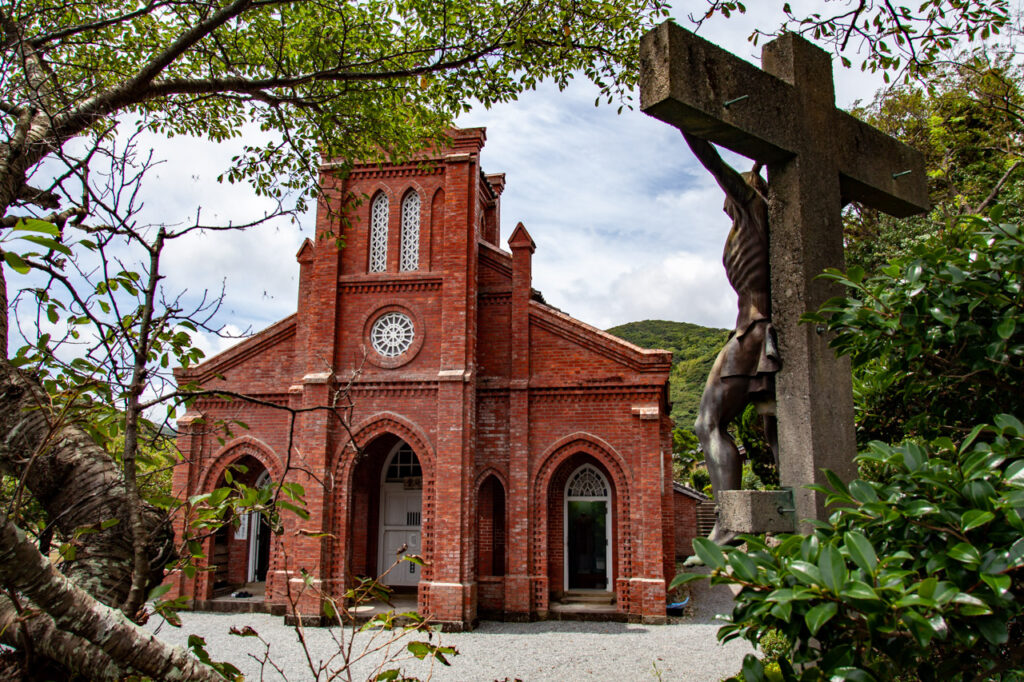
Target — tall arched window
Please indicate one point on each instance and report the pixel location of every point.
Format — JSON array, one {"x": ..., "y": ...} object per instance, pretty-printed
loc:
[
  {"x": 379, "y": 233},
  {"x": 410, "y": 251}
]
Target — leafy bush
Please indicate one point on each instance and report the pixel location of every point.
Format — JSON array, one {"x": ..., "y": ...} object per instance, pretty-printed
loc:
[
  {"x": 937, "y": 339},
  {"x": 919, "y": 575}
]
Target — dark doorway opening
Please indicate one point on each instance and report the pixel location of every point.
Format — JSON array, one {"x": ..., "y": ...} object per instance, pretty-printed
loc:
[{"x": 587, "y": 545}]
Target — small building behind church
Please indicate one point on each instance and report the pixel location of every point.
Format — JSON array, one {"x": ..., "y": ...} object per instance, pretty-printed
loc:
[{"x": 441, "y": 408}]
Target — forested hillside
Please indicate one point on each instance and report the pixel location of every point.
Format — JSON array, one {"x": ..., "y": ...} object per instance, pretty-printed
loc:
[{"x": 693, "y": 351}]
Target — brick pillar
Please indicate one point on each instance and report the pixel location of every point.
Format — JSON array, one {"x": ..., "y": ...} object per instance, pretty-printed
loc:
[
  {"x": 183, "y": 485},
  {"x": 647, "y": 584},
  {"x": 316, "y": 329},
  {"x": 668, "y": 508},
  {"x": 518, "y": 601},
  {"x": 302, "y": 578},
  {"x": 451, "y": 595}
]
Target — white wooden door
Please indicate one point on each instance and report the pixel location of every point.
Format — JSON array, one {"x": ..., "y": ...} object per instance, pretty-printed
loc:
[{"x": 401, "y": 512}]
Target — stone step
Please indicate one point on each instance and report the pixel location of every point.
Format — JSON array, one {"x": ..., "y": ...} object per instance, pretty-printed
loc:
[{"x": 588, "y": 597}]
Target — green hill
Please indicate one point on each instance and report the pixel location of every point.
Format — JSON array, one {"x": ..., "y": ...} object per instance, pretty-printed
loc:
[{"x": 693, "y": 352}]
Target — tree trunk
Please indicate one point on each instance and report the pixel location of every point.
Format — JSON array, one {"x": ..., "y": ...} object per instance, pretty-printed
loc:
[
  {"x": 24, "y": 569},
  {"x": 79, "y": 485}
]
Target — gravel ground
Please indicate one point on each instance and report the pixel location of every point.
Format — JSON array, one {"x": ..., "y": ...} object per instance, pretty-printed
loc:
[{"x": 684, "y": 650}]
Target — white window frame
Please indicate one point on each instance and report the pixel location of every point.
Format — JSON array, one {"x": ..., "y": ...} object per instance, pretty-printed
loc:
[
  {"x": 409, "y": 258},
  {"x": 379, "y": 215}
]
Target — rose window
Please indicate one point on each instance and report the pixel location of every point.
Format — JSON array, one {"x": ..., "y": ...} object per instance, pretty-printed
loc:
[{"x": 392, "y": 334}]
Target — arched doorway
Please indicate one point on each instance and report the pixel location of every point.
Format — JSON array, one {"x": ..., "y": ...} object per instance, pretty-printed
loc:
[
  {"x": 240, "y": 552},
  {"x": 587, "y": 529},
  {"x": 401, "y": 510}
]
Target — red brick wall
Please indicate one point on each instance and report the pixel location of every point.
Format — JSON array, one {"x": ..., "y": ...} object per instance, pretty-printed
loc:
[
  {"x": 685, "y": 524},
  {"x": 502, "y": 399}
]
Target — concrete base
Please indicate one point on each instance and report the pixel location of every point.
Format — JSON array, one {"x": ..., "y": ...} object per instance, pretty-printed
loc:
[
  {"x": 456, "y": 626},
  {"x": 756, "y": 511}
]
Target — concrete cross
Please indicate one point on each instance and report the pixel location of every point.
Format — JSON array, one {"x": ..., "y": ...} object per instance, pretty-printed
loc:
[{"x": 818, "y": 158}]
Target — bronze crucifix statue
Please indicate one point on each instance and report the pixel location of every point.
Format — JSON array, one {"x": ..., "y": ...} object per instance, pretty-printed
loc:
[
  {"x": 817, "y": 158},
  {"x": 744, "y": 371}
]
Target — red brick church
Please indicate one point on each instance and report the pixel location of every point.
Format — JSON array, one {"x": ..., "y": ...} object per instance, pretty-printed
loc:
[{"x": 524, "y": 454}]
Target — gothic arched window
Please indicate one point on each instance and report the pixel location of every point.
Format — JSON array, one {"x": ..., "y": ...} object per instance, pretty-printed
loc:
[
  {"x": 379, "y": 233},
  {"x": 410, "y": 249}
]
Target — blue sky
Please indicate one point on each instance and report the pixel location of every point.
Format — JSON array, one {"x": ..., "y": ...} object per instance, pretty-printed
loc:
[{"x": 628, "y": 226}]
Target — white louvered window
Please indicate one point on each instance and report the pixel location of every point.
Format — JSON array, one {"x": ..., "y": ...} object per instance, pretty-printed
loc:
[
  {"x": 379, "y": 234},
  {"x": 410, "y": 251}
]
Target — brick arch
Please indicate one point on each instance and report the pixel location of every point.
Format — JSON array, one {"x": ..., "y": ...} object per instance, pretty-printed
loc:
[
  {"x": 414, "y": 186},
  {"x": 379, "y": 187},
  {"x": 566, "y": 447},
  {"x": 235, "y": 450},
  {"x": 618, "y": 476},
  {"x": 490, "y": 471},
  {"x": 490, "y": 536},
  {"x": 380, "y": 424},
  {"x": 226, "y": 456}
]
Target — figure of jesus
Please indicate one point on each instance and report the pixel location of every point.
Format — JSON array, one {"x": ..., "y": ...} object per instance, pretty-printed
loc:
[{"x": 744, "y": 371}]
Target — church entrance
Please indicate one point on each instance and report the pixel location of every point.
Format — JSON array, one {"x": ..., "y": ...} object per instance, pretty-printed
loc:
[
  {"x": 587, "y": 530},
  {"x": 401, "y": 504}
]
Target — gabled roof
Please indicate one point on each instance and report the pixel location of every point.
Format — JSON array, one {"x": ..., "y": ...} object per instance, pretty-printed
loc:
[
  {"x": 600, "y": 342},
  {"x": 240, "y": 352},
  {"x": 689, "y": 492}
]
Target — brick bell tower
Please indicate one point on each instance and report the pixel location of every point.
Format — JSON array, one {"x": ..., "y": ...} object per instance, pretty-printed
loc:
[{"x": 396, "y": 310}]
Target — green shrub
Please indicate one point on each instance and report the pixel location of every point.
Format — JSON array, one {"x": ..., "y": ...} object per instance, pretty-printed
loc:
[
  {"x": 916, "y": 576},
  {"x": 936, "y": 339}
]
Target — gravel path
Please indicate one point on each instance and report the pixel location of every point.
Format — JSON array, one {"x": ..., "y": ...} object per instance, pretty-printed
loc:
[{"x": 685, "y": 650}]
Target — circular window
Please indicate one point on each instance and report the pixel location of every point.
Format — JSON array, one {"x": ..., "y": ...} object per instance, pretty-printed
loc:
[{"x": 392, "y": 334}]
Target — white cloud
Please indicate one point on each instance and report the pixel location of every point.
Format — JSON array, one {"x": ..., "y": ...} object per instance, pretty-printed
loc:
[{"x": 212, "y": 344}]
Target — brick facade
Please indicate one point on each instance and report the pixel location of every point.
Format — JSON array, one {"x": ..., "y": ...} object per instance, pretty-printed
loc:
[
  {"x": 500, "y": 397},
  {"x": 686, "y": 502}
]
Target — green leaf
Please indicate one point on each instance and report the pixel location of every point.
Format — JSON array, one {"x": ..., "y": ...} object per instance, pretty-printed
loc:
[
  {"x": 1015, "y": 555},
  {"x": 806, "y": 572},
  {"x": 742, "y": 565},
  {"x": 861, "y": 551},
  {"x": 918, "y": 626},
  {"x": 965, "y": 553},
  {"x": 1000, "y": 584},
  {"x": 819, "y": 615},
  {"x": 857, "y": 589},
  {"x": 36, "y": 225},
  {"x": 710, "y": 553},
  {"x": 753, "y": 669},
  {"x": 1006, "y": 328},
  {"x": 684, "y": 578},
  {"x": 862, "y": 491},
  {"x": 832, "y": 567},
  {"x": 971, "y": 605},
  {"x": 975, "y": 517},
  {"x": 158, "y": 591},
  {"x": 67, "y": 552},
  {"x": 993, "y": 629},
  {"x": 16, "y": 263},
  {"x": 49, "y": 244},
  {"x": 419, "y": 649}
]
